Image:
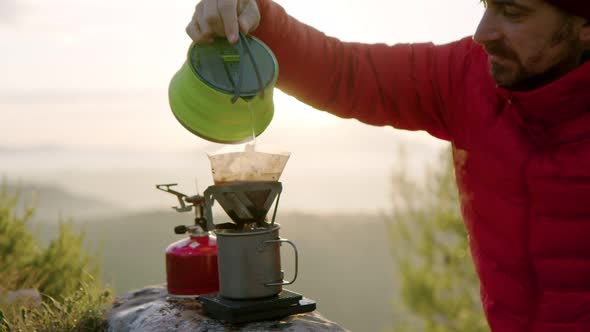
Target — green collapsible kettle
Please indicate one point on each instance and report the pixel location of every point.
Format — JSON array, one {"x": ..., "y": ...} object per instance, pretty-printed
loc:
[{"x": 224, "y": 92}]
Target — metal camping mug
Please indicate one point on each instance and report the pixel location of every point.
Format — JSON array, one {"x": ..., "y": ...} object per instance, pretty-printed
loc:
[{"x": 249, "y": 263}]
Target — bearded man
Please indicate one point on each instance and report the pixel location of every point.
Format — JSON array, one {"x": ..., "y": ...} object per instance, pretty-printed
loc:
[{"x": 513, "y": 100}]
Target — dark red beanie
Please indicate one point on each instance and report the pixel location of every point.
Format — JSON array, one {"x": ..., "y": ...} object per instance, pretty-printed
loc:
[{"x": 575, "y": 7}]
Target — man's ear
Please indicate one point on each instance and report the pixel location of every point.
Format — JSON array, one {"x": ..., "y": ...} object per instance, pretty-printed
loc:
[{"x": 585, "y": 33}]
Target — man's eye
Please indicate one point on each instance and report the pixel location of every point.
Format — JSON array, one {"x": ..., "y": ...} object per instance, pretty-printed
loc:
[{"x": 511, "y": 12}]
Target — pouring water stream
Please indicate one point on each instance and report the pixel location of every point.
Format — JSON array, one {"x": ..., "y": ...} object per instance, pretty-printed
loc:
[{"x": 252, "y": 123}]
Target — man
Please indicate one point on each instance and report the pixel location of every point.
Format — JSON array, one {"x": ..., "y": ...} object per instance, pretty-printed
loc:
[{"x": 514, "y": 101}]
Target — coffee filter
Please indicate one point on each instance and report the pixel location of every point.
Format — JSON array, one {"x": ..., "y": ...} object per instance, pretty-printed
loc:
[{"x": 247, "y": 162}]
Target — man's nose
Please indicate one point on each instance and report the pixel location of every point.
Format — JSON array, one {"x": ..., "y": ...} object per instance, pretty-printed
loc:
[{"x": 487, "y": 30}]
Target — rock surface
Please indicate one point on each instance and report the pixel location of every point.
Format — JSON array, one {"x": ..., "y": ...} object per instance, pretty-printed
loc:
[
  {"x": 149, "y": 309},
  {"x": 27, "y": 297}
]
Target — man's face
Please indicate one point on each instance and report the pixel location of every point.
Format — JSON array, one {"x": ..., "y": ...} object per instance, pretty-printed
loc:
[{"x": 528, "y": 42}]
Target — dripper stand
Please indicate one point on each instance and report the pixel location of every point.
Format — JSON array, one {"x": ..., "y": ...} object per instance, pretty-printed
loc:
[{"x": 246, "y": 203}]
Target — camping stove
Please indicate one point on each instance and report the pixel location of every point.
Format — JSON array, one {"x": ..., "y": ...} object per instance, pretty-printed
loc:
[
  {"x": 191, "y": 263},
  {"x": 248, "y": 254}
]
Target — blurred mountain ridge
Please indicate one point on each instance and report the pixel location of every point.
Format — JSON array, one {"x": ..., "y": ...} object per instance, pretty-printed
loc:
[{"x": 52, "y": 203}]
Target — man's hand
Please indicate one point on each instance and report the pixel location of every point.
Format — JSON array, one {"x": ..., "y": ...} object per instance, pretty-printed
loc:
[{"x": 219, "y": 18}]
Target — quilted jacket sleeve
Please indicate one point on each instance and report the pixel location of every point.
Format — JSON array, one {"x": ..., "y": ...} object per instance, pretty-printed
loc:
[{"x": 408, "y": 86}]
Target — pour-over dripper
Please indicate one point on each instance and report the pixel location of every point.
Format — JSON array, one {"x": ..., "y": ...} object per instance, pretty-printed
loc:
[
  {"x": 246, "y": 203},
  {"x": 246, "y": 163},
  {"x": 246, "y": 182}
]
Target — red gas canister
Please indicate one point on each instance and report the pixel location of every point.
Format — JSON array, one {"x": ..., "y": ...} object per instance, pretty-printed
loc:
[{"x": 191, "y": 263}]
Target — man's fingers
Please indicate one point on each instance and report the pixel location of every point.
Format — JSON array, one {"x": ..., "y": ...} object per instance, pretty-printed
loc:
[
  {"x": 245, "y": 25},
  {"x": 228, "y": 10},
  {"x": 249, "y": 17},
  {"x": 197, "y": 35},
  {"x": 192, "y": 30},
  {"x": 211, "y": 18},
  {"x": 195, "y": 29},
  {"x": 215, "y": 18}
]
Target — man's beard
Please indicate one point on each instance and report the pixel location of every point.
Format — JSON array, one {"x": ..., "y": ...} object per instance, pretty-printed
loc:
[
  {"x": 517, "y": 75},
  {"x": 506, "y": 74}
]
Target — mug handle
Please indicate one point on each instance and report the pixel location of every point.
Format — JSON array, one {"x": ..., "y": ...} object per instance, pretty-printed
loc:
[{"x": 296, "y": 262}]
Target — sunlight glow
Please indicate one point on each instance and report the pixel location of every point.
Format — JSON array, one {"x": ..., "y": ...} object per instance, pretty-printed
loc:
[{"x": 91, "y": 77}]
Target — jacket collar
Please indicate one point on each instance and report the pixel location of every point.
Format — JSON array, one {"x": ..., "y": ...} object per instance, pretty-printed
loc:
[{"x": 561, "y": 100}]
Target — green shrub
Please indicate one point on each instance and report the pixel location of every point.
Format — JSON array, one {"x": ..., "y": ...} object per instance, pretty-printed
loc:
[
  {"x": 439, "y": 290},
  {"x": 83, "y": 310},
  {"x": 64, "y": 265},
  {"x": 73, "y": 298},
  {"x": 17, "y": 248}
]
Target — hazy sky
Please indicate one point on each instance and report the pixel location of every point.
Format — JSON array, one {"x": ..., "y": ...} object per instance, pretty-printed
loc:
[{"x": 93, "y": 75}]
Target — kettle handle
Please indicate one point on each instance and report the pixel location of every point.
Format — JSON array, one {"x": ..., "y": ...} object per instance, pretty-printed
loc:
[{"x": 243, "y": 43}]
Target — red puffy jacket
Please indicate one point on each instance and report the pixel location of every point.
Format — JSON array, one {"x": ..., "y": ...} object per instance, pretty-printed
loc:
[{"x": 522, "y": 159}]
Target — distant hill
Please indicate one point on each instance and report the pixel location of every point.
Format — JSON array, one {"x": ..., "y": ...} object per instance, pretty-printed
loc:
[
  {"x": 322, "y": 176},
  {"x": 52, "y": 203}
]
